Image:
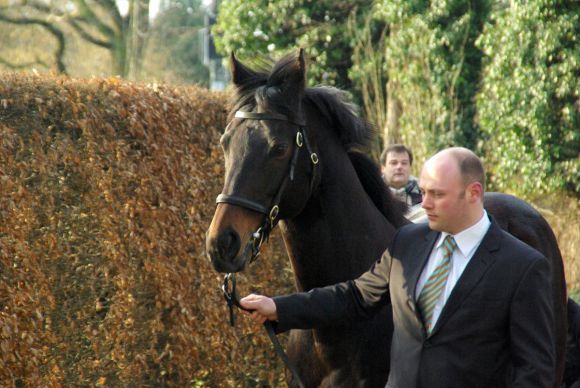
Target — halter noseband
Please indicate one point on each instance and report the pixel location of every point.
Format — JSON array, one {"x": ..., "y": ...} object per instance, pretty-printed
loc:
[{"x": 273, "y": 210}]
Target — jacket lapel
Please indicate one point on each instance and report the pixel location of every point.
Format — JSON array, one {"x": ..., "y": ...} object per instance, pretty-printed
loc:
[
  {"x": 475, "y": 270},
  {"x": 419, "y": 259}
]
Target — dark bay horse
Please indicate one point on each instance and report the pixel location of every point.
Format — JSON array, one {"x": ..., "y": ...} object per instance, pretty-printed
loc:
[{"x": 295, "y": 157}]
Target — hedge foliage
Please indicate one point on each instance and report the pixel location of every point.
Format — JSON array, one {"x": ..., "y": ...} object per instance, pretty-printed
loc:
[{"x": 106, "y": 190}]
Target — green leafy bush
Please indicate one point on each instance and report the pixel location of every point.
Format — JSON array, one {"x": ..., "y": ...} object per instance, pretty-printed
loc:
[
  {"x": 261, "y": 26},
  {"x": 433, "y": 69},
  {"x": 528, "y": 103}
]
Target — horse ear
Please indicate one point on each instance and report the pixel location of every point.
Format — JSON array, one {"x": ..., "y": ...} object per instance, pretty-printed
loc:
[
  {"x": 240, "y": 73},
  {"x": 295, "y": 80}
]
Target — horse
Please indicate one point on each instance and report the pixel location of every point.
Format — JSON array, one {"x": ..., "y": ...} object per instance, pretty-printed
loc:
[{"x": 295, "y": 157}]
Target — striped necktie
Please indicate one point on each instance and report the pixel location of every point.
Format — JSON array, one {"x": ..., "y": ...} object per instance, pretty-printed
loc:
[{"x": 434, "y": 286}]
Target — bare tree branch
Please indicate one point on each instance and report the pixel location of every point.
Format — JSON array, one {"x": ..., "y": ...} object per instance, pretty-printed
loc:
[
  {"x": 56, "y": 32},
  {"x": 88, "y": 16},
  {"x": 97, "y": 22},
  {"x": 111, "y": 7},
  {"x": 40, "y": 7},
  {"x": 23, "y": 65},
  {"x": 87, "y": 36}
]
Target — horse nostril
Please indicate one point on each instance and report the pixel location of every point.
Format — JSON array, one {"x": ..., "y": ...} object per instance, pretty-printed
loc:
[{"x": 228, "y": 244}]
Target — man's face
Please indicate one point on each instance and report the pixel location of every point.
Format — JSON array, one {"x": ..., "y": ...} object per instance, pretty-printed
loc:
[
  {"x": 397, "y": 169},
  {"x": 444, "y": 196}
]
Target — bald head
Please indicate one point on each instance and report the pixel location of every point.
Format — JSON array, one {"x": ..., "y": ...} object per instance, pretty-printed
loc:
[
  {"x": 468, "y": 165},
  {"x": 452, "y": 185}
]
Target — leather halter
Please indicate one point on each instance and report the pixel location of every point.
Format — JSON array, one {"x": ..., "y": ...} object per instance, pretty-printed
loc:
[
  {"x": 267, "y": 116},
  {"x": 271, "y": 214},
  {"x": 272, "y": 210}
]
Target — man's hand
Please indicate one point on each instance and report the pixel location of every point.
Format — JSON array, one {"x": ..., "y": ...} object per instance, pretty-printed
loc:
[{"x": 263, "y": 308}]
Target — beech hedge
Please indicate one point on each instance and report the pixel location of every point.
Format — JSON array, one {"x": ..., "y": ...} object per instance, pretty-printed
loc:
[{"x": 106, "y": 191}]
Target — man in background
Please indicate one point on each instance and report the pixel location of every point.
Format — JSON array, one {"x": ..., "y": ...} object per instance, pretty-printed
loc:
[{"x": 396, "y": 163}]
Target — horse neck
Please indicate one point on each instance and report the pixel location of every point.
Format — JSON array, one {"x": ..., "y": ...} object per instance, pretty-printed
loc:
[{"x": 340, "y": 232}]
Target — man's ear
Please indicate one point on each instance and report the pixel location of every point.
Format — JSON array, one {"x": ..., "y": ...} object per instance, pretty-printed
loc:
[
  {"x": 240, "y": 73},
  {"x": 475, "y": 191}
]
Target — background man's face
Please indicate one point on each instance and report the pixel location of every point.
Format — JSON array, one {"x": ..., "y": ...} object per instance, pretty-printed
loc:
[{"x": 397, "y": 169}]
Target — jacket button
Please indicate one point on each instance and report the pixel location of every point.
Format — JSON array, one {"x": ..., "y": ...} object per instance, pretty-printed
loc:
[{"x": 427, "y": 344}]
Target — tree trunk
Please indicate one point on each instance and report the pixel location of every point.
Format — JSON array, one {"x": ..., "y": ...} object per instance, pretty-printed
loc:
[
  {"x": 137, "y": 34},
  {"x": 391, "y": 131},
  {"x": 119, "y": 55}
]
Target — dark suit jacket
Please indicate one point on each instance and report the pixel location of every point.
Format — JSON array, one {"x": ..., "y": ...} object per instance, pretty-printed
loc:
[{"x": 496, "y": 329}]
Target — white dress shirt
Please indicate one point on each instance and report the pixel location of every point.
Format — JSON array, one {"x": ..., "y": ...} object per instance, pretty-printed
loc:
[{"x": 467, "y": 242}]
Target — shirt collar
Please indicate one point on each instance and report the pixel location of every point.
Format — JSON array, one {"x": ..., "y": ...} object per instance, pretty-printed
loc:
[
  {"x": 468, "y": 239},
  {"x": 398, "y": 191}
]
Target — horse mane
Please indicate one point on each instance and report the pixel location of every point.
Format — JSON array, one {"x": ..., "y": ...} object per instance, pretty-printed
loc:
[
  {"x": 354, "y": 133},
  {"x": 370, "y": 177}
]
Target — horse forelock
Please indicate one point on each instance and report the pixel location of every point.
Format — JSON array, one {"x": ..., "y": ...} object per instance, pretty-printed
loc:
[
  {"x": 265, "y": 86},
  {"x": 244, "y": 96}
]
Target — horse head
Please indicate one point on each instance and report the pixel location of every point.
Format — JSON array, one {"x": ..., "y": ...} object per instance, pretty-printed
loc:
[{"x": 269, "y": 161}]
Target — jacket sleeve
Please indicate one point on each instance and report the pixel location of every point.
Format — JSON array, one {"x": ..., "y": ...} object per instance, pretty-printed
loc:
[
  {"x": 337, "y": 304},
  {"x": 532, "y": 342}
]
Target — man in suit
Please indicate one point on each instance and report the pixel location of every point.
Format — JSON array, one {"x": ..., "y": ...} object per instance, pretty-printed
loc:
[{"x": 471, "y": 303}]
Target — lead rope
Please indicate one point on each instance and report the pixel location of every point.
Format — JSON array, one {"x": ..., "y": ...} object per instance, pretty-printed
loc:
[{"x": 233, "y": 300}]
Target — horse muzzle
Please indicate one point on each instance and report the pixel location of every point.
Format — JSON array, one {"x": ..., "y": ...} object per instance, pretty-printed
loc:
[
  {"x": 229, "y": 245},
  {"x": 223, "y": 252}
]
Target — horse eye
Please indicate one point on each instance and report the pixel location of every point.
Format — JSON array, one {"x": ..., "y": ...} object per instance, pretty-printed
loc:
[{"x": 278, "y": 150}]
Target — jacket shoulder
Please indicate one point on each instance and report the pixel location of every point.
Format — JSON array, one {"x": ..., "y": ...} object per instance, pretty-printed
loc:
[
  {"x": 420, "y": 229},
  {"x": 506, "y": 242},
  {"x": 411, "y": 234}
]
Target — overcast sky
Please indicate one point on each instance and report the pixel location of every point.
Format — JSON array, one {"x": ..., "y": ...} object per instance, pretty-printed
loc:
[{"x": 153, "y": 7}]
